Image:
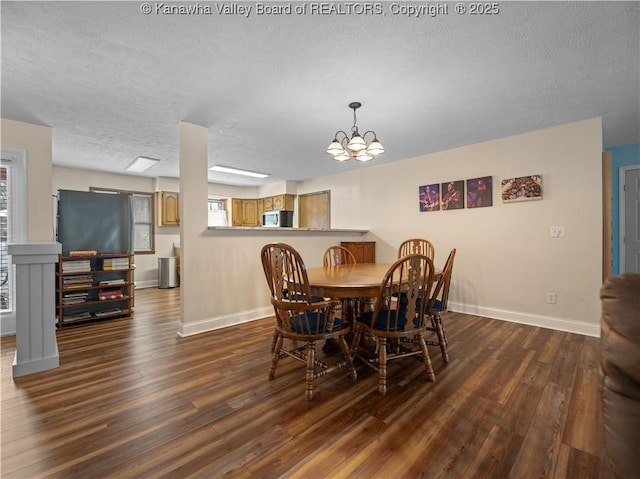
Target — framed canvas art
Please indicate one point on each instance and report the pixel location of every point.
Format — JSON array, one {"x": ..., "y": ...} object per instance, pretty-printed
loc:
[
  {"x": 524, "y": 188},
  {"x": 452, "y": 195},
  {"x": 480, "y": 192},
  {"x": 429, "y": 197}
]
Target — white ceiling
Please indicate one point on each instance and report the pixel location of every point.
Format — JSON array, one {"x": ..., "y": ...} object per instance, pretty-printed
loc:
[{"x": 113, "y": 83}]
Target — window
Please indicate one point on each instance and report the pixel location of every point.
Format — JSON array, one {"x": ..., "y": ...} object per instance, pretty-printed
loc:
[
  {"x": 5, "y": 263},
  {"x": 217, "y": 214},
  {"x": 143, "y": 229},
  {"x": 13, "y": 187},
  {"x": 216, "y": 205}
]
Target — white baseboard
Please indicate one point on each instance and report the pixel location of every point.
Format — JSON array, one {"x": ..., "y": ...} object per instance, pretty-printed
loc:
[
  {"x": 224, "y": 321},
  {"x": 8, "y": 325},
  {"x": 35, "y": 365},
  {"x": 559, "y": 324},
  {"x": 146, "y": 284}
]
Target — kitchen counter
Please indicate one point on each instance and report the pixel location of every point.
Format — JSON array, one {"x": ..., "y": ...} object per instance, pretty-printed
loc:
[{"x": 284, "y": 229}]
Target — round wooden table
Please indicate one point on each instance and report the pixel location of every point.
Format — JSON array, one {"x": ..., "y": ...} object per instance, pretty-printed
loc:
[
  {"x": 348, "y": 283},
  {"x": 361, "y": 280}
]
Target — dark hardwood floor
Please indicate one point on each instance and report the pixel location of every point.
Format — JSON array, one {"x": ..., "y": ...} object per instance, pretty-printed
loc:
[{"x": 131, "y": 399}]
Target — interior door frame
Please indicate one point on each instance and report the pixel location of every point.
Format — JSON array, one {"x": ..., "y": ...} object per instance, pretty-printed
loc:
[
  {"x": 621, "y": 214},
  {"x": 607, "y": 220}
]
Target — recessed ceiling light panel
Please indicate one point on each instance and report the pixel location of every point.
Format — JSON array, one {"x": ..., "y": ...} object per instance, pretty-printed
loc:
[
  {"x": 236, "y": 171},
  {"x": 142, "y": 163}
]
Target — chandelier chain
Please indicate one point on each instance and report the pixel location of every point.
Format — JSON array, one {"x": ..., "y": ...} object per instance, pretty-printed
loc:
[{"x": 354, "y": 128}]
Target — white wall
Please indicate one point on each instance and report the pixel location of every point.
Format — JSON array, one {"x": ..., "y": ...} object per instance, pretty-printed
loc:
[
  {"x": 222, "y": 278},
  {"x": 506, "y": 260},
  {"x": 35, "y": 140}
]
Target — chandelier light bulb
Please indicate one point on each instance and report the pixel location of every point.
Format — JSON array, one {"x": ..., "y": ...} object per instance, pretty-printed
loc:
[
  {"x": 363, "y": 156},
  {"x": 356, "y": 143},
  {"x": 344, "y": 156},
  {"x": 335, "y": 148},
  {"x": 375, "y": 148}
]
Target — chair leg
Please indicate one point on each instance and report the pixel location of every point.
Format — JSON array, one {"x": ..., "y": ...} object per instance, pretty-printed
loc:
[
  {"x": 347, "y": 357},
  {"x": 275, "y": 355},
  {"x": 426, "y": 358},
  {"x": 311, "y": 360},
  {"x": 357, "y": 335},
  {"x": 382, "y": 367},
  {"x": 442, "y": 340},
  {"x": 444, "y": 333},
  {"x": 274, "y": 339}
]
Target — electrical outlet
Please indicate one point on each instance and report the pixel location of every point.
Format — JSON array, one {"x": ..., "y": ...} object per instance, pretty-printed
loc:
[
  {"x": 556, "y": 232},
  {"x": 551, "y": 298}
]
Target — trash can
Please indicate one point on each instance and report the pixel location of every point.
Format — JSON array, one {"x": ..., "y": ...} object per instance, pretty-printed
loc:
[{"x": 167, "y": 274}]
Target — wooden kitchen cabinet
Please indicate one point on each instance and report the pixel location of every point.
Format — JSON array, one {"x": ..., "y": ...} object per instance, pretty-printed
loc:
[
  {"x": 244, "y": 212},
  {"x": 260, "y": 210},
  {"x": 250, "y": 213},
  {"x": 283, "y": 202},
  {"x": 279, "y": 202},
  {"x": 364, "y": 251},
  {"x": 168, "y": 208},
  {"x": 236, "y": 212}
]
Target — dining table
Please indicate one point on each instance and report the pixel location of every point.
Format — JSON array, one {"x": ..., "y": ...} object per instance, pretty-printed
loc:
[
  {"x": 358, "y": 280},
  {"x": 351, "y": 281},
  {"x": 351, "y": 284}
]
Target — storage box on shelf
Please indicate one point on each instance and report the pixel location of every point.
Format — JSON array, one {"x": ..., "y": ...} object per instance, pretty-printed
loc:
[{"x": 91, "y": 286}]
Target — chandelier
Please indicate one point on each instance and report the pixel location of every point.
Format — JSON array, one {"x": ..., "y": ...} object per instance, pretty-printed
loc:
[{"x": 343, "y": 148}]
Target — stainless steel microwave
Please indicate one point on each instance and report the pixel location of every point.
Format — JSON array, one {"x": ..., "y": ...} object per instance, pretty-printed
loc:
[{"x": 280, "y": 218}]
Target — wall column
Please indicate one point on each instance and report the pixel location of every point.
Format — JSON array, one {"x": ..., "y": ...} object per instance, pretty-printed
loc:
[
  {"x": 36, "y": 346},
  {"x": 195, "y": 271}
]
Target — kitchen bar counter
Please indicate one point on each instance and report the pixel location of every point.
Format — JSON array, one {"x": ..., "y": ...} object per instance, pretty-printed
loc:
[{"x": 284, "y": 229}]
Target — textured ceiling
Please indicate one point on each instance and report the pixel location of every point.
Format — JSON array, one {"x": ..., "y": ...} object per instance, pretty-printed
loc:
[{"x": 113, "y": 83}]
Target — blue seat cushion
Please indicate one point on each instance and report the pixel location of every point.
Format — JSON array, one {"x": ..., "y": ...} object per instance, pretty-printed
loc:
[
  {"x": 316, "y": 323},
  {"x": 403, "y": 302},
  {"x": 397, "y": 323},
  {"x": 298, "y": 297},
  {"x": 437, "y": 306}
]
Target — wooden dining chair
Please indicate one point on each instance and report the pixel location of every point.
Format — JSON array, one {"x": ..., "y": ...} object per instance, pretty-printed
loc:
[
  {"x": 417, "y": 246},
  {"x": 301, "y": 319},
  {"x": 335, "y": 255},
  {"x": 399, "y": 331},
  {"x": 437, "y": 305}
]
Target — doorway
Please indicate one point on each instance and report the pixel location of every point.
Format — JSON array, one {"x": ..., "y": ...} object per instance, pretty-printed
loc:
[{"x": 630, "y": 219}]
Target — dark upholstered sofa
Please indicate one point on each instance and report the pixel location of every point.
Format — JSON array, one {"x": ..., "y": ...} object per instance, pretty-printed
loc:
[{"x": 620, "y": 347}]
